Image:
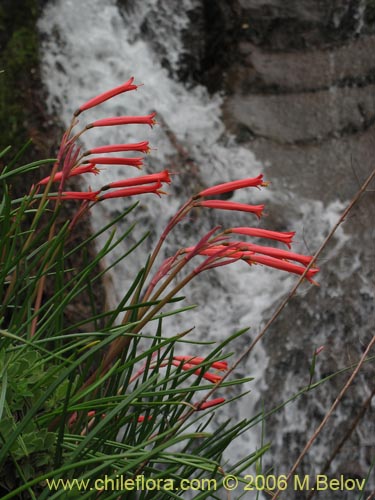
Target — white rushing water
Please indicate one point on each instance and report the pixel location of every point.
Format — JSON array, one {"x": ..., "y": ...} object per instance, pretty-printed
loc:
[{"x": 87, "y": 48}]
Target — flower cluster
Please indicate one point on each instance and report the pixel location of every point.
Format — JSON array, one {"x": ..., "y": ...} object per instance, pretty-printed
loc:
[
  {"x": 70, "y": 161},
  {"x": 254, "y": 254},
  {"x": 220, "y": 249}
]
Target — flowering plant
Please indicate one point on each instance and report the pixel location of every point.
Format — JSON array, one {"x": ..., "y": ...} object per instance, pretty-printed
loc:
[{"x": 117, "y": 399}]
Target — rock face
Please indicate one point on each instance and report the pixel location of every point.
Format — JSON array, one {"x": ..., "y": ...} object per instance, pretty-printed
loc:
[{"x": 288, "y": 67}]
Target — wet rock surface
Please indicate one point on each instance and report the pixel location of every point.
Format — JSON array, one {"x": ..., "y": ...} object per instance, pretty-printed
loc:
[{"x": 306, "y": 104}]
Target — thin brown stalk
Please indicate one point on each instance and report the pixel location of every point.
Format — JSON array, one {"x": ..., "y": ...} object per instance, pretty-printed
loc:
[{"x": 42, "y": 281}]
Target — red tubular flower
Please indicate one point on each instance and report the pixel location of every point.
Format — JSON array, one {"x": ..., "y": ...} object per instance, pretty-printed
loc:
[
  {"x": 219, "y": 365},
  {"x": 273, "y": 257},
  {"x": 136, "y": 181},
  {"x": 210, "y": 404},
  {"x": 263, "y": 233},
  {"x": 124, "y": 120},
  {"x": 212, "y": 377},
  {"x": 230, "y": 205},
  {"x": 77, "y": 195},
  {"x": 108, "y": 160},
  {"x": 217, "y": 254},
  {"x": 193, "y": 361},
  {"x": 221, "y": 251},
  {"x": 283, "y": 265},
  {"x": 142, "y": 418},
  {"x": 232, "y": 186},
  {"x": 82, "y": 169},
  {"x": 203, "y": 242},
  {"x": 125, "y": 87},
  {"x": 277, "y": 253},
  {"x": 133, "y": 191},
  {"x": 115, "y": 148}
]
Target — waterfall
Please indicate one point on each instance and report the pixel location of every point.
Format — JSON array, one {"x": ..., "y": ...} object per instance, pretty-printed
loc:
[{"x": 89, "y": 47}]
